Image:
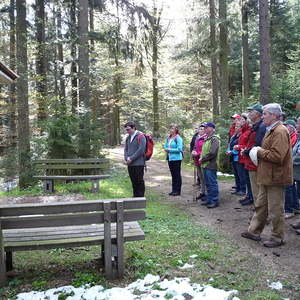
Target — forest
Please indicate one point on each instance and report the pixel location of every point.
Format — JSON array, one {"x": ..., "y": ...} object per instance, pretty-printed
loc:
[{"x": 86, "y": 67}]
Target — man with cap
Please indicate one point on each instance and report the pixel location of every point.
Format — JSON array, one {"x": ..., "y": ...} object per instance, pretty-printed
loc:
[
  {"x": 274, "y": 171},
  {"x": 208, "y": 162},
  {"x": 255, "y": 139}
]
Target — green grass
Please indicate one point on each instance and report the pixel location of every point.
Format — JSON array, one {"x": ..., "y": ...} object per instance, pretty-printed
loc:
[{"x": 171, "y": 238}]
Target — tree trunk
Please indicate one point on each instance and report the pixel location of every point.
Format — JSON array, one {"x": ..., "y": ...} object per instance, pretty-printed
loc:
[
  {"x": 61, "y": 69},
  {"x": 41, "y": 64},
  {"x": 264, "y": 46},
  {"x": 12, "y": 64},
  {"x": 213, "y": 59},
  {"x": 224, "y": 51},
  {"x": 155, "y": 102},
  {"x": 22, "y": 96},
  {"x": 74, "y": 75},
  {"x": 245, "y": 49},
  {"x": 84, "y": 88}
]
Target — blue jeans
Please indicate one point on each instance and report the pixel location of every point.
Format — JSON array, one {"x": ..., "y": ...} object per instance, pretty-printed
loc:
[
  {"x": 248, "y": 184},
  {"x": 242, "y": 177},
  {"x": 236, "y": 176},
  {"x": 291, "y": 199},
  {"x": 210, "y": 178}
]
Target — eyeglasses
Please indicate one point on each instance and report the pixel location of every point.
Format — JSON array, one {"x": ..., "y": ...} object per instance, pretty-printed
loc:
[{"x": 127, "y": 129}]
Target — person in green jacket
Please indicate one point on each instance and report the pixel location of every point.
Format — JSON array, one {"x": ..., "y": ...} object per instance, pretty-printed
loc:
[{"x": 209, "y": 163}]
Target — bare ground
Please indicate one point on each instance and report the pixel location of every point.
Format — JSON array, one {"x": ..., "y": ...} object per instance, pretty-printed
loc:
[{"x": 229, "y": 219}]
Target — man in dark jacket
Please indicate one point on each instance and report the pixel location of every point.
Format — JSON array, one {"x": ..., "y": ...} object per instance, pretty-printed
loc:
[
  {"x": 255, "y": 139},
  {"x": 134, "y": 155}
]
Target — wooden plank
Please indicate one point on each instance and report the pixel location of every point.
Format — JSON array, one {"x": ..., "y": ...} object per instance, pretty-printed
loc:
[
  {"x": 2, "y": 259},
  {"x": 68, "y": 207},
  {"x": 71, "y": 167},
  {"x": 71, "y": 160},
  {"x": 107, "y": 241},
  {"x": 66, "y": 219},
  {"x": 72, "y": 177},
  {"x": 120, "y": 238},
  {"x": 64, "y": 230},
  {"x": 15, "y": 236},
  {"x": 43, "y": 245}
]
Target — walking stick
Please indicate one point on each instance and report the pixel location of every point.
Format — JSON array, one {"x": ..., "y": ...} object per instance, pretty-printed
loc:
[{"x": 195, "y": 185}]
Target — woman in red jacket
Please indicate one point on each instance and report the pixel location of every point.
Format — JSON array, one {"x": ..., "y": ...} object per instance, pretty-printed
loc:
[{"x": 243, "y": 172}]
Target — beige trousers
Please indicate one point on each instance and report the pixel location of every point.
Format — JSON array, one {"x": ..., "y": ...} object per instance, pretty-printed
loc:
[
  {"x": 254, "y": 185},
  {"x": 269, "y": 204},
  {"x": 201, "y": 178}
]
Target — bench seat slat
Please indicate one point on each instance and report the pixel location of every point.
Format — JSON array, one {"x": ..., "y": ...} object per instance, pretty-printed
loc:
[
  {"x": 70, "y": 160},
  {"x": 54, "y": 234},
  {"x": 71, "y": 177},
  {"x": 68, "y": 207},
  {"x": 43, "y": 231},
  {"x": 66, "y": 219},
  {"x": 73, "y": 167}
]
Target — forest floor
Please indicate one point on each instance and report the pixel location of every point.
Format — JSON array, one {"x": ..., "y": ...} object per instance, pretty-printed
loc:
[{"x": 229, "y": 219}]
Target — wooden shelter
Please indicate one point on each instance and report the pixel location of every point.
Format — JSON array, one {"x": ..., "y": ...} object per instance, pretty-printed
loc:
[{"x": 7, "y": 76}]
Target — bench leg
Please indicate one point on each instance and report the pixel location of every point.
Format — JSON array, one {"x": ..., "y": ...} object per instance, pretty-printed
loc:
[
  {"x": 49, "y": 186},
  {"x": 3, "y": 277},
  {"x": 9, "y": 261},
  {"x": 95, "y": 186}
]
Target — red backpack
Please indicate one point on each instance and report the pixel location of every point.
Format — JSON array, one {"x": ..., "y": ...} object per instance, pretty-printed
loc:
[{"x": 149, "y": 144}]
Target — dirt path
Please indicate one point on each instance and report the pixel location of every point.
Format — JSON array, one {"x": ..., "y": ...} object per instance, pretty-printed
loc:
[{"x": 229, "y": 219}]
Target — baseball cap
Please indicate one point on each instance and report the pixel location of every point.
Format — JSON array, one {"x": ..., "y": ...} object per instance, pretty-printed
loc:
[
  {"x": 290, "y": 122},
  {"x": 209, "y": 124},
  {"x": 235, "y": 116},
  {"x": 257, "y": 107}
]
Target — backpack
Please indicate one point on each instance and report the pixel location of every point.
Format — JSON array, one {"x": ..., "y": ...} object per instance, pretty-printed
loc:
[{"x": 149, "y": 144}]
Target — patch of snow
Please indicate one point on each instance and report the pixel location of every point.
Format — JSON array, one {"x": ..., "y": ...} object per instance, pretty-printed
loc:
[
  {"x": 224, "y": 174},
  {"x": 276, "y": 285},
  {"x": 186, "y": 266},
  {"x": 143, "y": 289},
  {"x": 194, "y": 256}
]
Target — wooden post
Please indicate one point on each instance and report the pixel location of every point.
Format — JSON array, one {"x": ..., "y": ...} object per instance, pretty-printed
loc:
[
  {"x": 49, "y": 186},
  {"x": 95, "y": 185},
  {"x": 2, "y": 259},
  {"x": 9, "y": 261},
  {"x": 120, "y": 238},
  {"x": 107, "y": 240}
]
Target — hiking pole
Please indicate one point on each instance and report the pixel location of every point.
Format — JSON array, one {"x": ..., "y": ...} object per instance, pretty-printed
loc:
[{"x": 195, "y": 185}]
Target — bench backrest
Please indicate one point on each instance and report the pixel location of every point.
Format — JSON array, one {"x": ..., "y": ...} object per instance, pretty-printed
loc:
[
  {"x": 72, "y": 213},
  {"x": 66, "y": 164}
]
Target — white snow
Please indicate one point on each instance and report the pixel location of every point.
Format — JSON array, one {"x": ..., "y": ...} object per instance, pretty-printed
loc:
[
  {"x": 194, "y": 256},
  {"x": 276, "y": 285},
  {"x": 151, "y": 287},
  {"x": 186, "y": 266}
]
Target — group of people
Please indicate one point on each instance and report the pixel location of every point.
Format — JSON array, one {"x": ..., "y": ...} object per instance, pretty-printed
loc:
[{"x": 264, "y": 150}]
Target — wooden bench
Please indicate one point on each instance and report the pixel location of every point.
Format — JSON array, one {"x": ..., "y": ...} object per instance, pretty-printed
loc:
[
  {"x": 68, "y": 166},
  {"x": 109, "y": 223}
]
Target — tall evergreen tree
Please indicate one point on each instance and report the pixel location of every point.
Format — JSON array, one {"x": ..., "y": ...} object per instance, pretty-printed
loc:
[
  {"x": 264, "y": 47},
  {"x": 224, "y": 52},
  {"x": 22, "y": 96}
]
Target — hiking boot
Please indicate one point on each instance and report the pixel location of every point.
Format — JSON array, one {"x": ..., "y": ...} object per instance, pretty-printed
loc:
[
  {"x": 296, "y": 225},
  {"x": 243, "y": 199},
  {"x": 200, "y": 196},
  {"x": 176, "y": 194},
  {"x": 247, "y": 202},
  {"x": 171, "y": 194},
  {"x": 298, "y": 231},
  {"x": 289, "y": 215},
  {"x": 205, "y": 203},
  {"x": 273, "y": 243},
  {"x": 212, "y": 205},
  {"x": 250, "y": 236}
]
